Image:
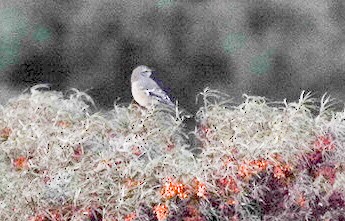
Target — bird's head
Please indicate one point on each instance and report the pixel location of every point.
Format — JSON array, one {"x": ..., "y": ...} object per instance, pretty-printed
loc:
[{"x": 141, "y": 71}]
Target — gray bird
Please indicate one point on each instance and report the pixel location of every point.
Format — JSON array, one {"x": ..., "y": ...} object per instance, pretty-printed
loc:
[{"x": 145, "y": 90}]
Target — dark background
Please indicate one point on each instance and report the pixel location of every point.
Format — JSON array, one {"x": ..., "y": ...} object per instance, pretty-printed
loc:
[{"x": 268, "y": 48}]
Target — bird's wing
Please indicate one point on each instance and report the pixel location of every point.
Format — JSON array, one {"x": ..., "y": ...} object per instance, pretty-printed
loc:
[
  {"x": 160, "y": 95},
  {"x": 153, "y": 90}
]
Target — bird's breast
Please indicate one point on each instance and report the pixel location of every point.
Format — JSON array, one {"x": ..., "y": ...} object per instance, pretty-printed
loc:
[{"x": 140, "y": 95}]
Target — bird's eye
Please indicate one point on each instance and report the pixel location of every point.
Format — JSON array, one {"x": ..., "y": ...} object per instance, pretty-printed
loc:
[{"x": 146, "y": 73}]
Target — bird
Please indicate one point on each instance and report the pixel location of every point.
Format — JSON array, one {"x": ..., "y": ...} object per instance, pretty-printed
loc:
[{"x": 146, "y": 90}]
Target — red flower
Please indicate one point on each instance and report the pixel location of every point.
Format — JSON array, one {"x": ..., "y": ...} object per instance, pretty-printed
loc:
[
  {"x": 328, "y": 172},
  {"x": 136, "y": 151},
  {"x": 63, "y": 123},
  {"x": 314, "y": 158},
  {"x": 5, "y": 133},
  {"x": 56, "y": 215},
  {"x": 173, "y": 188},
  {"x": 37, "y": 218},
  {"x": 324, "y": 143},
  {"x": 170, "y": 147},
  {"x": 78, "y": 152},
  {"x": 203, "y": 130}
]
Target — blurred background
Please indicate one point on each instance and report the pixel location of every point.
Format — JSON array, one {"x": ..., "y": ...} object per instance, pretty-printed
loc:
[{"x": 271, "y": 48}]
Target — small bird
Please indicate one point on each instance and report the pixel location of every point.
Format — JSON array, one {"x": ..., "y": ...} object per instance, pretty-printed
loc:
[{"x": 145, "y": 90}]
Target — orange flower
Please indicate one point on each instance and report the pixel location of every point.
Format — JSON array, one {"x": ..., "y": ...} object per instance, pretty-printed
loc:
[
  {"x": 249, "y": 168},
  {"x": 20, "y": 163},
  {"x": 245, "y": 171},
  {"x": 200, "y": 188},
  {"x": 227, "y": 160},
  {"x": 130, "y": 217},
  {"x": 172, "y": 188},
  {"x": 161, "y": 212},
  {"x": 278, "y": 172},
  {"x": 231, "y": 202},
  {"x": 301, "y": 201},
  {"x": 281, "y": 171},
  {"x": 260, "y": 165},
  {"x": 230, "y": 183}
]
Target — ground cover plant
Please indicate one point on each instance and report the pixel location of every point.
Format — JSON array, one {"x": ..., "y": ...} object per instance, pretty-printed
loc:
[{"x": 61, "y": 159}]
